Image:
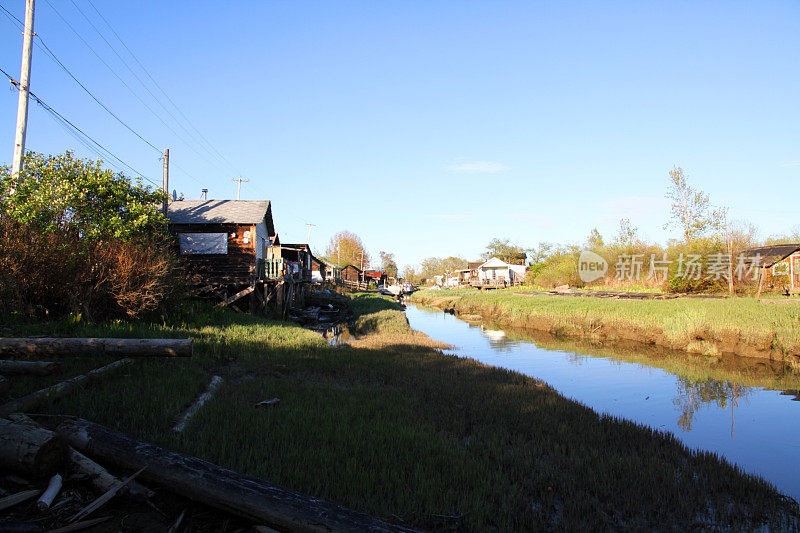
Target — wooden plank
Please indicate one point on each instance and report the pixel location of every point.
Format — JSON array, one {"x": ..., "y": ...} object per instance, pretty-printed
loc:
[{"x": 238, "y": 296}]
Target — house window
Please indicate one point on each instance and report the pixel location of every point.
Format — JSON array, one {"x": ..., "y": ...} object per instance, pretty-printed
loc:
[{"x": 203, "y": 243}]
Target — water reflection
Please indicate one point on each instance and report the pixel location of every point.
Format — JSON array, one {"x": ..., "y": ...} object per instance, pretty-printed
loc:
[{"x": 745, "y": 410}]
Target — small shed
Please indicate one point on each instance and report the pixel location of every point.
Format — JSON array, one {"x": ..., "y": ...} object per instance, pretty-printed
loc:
[
  {"x": 779, "y": 265},
  {"x": 378, "y": 276},
  {"x": 222, "y": 241},
  {"x": 352, "y": 274}
]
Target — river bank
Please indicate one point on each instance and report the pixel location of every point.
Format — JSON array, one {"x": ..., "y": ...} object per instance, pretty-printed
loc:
[
  {"x": 391, "y": 426},
  {"x": 740, "y": 326}
]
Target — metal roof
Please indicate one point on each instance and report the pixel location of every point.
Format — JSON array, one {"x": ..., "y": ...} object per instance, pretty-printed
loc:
[
  {"x": 771, "y": 254},
  {"x": 217, "y": 211}
]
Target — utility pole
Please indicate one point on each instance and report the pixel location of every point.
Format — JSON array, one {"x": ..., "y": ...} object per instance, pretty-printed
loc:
[
  {"x": 24, "y": 89},
  {"x": 165, "y": 183},
  {"x": 239, "y": 182},
  {"x": 308, "y": 239}
]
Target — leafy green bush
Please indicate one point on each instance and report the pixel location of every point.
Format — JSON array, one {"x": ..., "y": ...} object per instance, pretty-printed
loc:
[{"x": 75, "y": 238}]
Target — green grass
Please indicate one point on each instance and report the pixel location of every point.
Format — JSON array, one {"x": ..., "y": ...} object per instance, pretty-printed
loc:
[
  {"x": 411, "y": 435},
  {"x": 739, "y": 325}
]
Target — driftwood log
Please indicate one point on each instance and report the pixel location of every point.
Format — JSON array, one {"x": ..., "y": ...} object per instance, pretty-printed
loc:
[
  {"x": 215, "y": 486},
  {"x": 87, "y": 346},
  {"x": 30, "y": 449},
  {"x": 34, "y": 399},
  {"x": 36, "y": 368},
  {"x": 183, "y": 420}
]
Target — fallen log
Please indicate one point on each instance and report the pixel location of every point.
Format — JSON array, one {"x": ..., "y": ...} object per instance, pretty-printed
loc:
[
  {"x": 46, "y": 499},
  {"x": 36, "y": 368},
  {"x": 30, "y": 449},
  {"x": 5, "y": 385},
  {"x": 81, "y": 465},
  {"x": 34, "y": 399},
  {"x": 100, "y": 478},
  {"x": 50, "y": 346},
  {"x": 183, "y": 420},
  {"x": 14, "y": 499},
  {"x": 215, "y": 486}
]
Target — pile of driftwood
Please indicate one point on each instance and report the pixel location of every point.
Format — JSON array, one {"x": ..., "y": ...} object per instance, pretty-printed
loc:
[
  {"x": 73, "y": 448},
  {"x": 57, "y": 473},
  {"x": 323, "y": 311}
]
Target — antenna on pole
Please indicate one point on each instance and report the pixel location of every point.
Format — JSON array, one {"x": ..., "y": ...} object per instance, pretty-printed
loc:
[
  {"x": 308, "y": 239},
  {"x": 239, "y": 182}
]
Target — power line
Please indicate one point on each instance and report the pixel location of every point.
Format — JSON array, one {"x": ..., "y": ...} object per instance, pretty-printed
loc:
[
  {"x": 64, "y": 121},
  {"x": 136, "y": 59},
  {"x": 67, "y": 125},
  {"x": 190, "y": 144},
  {"x": 128, "y": 87},
  {"x": 52, "y": 55}
]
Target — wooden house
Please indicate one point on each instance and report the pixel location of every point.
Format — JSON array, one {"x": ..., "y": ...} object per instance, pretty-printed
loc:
[
  {"x": 222, "y": 242},
  {"x": 352, "y": 274},
  {"x": 499, "y": 273},
  {"x": 379, "y": 277},
  {"x": 779, "y": 266},
  {"x": 318, "y": 269},
  {"x": 333, "y": 272},
  {"x": 297, "y": 259}
]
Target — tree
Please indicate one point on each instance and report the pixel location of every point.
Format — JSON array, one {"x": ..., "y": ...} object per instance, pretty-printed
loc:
[
  {"x": 388, "y": 263},
  {"x": 504, "y": 250},
  {"x": 594, "y": 240},
  {"x": 410, "y": 274},
  {"x": 540, "y": 254},
  {"x": 627, "y": 236},
  {"x": 346, "y": 248},
  {"x": 61, "y": 191},
  {"x": 432, "y": 266},
  {"x": 690, "y": 208},
  {"x": 77, "y": 238}
]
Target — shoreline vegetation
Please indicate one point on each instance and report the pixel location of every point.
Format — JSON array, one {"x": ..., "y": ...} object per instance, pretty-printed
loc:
[
  {"x": 391, "y": 426},
  {"x": 712, "y": 327}
]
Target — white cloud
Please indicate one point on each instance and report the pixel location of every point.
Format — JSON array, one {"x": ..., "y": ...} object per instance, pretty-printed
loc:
[
  {"x": 478, "y": 167},
  {"x": 791, "y": 164}
]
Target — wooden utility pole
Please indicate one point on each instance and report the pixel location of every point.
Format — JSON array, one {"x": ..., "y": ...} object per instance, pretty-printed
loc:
[
  {"x": 24, "y": 89},
  {"x": 165, "y": 182},
  {"x": 239, "y": 182},
  {"x": 308, "y": 239}
]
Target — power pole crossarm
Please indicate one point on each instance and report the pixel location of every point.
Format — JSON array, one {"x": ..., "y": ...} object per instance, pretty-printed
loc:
[
  {"x": 239, "y": 182},
  {"x": 24, "y": 89},
  {"x": 308, "y": 239}
]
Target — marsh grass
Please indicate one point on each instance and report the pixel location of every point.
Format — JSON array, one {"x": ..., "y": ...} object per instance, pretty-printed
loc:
[
  {"x": 743, "y": 324},
  {"x": 392, "y": 427}
]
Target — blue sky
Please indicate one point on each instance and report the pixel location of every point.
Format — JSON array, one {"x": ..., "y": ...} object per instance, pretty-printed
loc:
[{"x": 429, "y": 128}]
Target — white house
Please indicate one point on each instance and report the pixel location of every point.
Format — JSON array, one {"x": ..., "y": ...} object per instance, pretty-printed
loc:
[{"x": 496, "y": 271}]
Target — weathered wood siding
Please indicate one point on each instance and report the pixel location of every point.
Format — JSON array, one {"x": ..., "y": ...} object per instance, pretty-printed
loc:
[
  {"x": 351, "y": 273},
  {"x": 238, "y": 266}
]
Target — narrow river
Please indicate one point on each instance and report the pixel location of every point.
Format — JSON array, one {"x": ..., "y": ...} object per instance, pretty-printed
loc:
[{"x": 745, "y": 410}]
